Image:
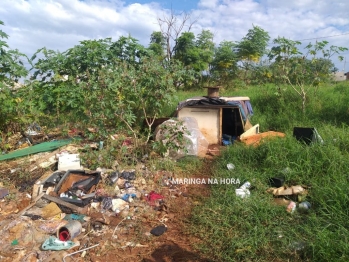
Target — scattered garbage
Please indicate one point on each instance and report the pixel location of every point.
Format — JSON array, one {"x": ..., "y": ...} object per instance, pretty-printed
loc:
[
  {"x": 33, "y": 130},
  {"x": 113, "y": 177},
  {"x": 76, "y": 186},
  {"x": 195, "y": 142},
  {"x": 291, "y": 207},
  {"x": 159, "y": 230},
  {"x": 82, "y": 250},
  {"x": 276, "y": 181},
  {"x": 228, "y": 139},
  {"x": 289, "y": 196},
  {"x": 283, "y": 191},
  {"x": 304, "y": 206},
  {"x": 106, "y": 203},
  {"x": 119, "y": 205},
  {"x": 128, "y": 175},
  {"x": 298, "y": 246},
  {"x": 68, "y": 161},
  {"x": 230, "y": 166},
  {"x": 14, "y": 242},
  {"x": 251, "y": 131},
  {"x": 51, "y": 226},
  {"x": 307, "y": 135},
  {"x": 3, "y": 192},
  {"x": 53, "y": 179},
  {"x": 245, "y": 185},
  {"x": 282, "y": 201},
  {"x": 154, "y": 197},
  {"x": 50, "y": 210},
  {"x": 257, "y": 139},
  {"x": 78, "y": 217},
  {"x": 243, "y": 191},
  {"x": 42, "y": 147},
  {"x": 128, "y": 197},
  {"x": 69, "y": 231},
  {"x": 68, "y": 201},
  {"x": 53, "y": 243}
]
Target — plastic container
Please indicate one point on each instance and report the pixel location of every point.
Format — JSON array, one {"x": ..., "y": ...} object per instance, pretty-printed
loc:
[
  {"x": 276, "y": 181},
  {"x": 242, "y": 193},
  {"x": 304, "y": 206},
  {"x": 291, "y": 207},
  {"x": 245, "y": 185},
  {"x": 230, "y": 166},
  {"x": 114, "y": 176}
]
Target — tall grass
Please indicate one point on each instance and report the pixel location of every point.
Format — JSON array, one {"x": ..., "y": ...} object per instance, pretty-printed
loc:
[{"x": 254, "y": 228}]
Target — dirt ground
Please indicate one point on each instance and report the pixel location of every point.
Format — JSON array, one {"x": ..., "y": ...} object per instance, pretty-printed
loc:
[{"x": 122, "y": 237}]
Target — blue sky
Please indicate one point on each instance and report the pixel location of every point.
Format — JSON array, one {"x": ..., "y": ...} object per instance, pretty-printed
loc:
[{"x": 61, "y": 24}]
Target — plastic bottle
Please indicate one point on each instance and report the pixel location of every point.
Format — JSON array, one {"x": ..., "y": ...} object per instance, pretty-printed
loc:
[{"x": 245, "y": 185}]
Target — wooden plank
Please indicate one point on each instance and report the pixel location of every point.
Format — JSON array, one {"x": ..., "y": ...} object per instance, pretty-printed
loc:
[
  {"x": 220, "y": 133},
  {"x": 252, "y": 131}
]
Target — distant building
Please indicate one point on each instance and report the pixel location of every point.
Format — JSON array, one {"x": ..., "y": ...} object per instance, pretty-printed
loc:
[{"x": 340, "y": 76}]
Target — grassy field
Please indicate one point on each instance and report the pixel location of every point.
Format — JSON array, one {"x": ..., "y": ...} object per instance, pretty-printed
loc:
[{"x": 254, "y": 228}]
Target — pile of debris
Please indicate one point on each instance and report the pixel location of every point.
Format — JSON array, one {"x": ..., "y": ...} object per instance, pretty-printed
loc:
[{"x": 73, "y": 209}]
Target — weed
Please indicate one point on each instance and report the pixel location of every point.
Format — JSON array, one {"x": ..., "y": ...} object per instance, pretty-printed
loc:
[{"x": 254, "y": 229}]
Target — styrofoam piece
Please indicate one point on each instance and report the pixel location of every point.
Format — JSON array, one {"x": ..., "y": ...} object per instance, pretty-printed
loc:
[{"x": 69, "y": 161}]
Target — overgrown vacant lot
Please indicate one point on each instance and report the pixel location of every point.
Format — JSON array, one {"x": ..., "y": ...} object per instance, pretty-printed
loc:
[
  {"x": 254, "y": 228},
  {"x": 110, "y": 92},
  {"x": 222, "y": 227}
]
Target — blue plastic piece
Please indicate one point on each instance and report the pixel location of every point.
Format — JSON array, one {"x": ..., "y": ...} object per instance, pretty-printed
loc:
[
  {"x": 70, "y": 217},
  {"x": 127, "y": 196}
]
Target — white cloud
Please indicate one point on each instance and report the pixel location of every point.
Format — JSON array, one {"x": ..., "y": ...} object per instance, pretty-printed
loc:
[
  {"x": 208, "y": 3},
  {"x": 61, "y": 24},
  {"x": 297, "y": 20}
]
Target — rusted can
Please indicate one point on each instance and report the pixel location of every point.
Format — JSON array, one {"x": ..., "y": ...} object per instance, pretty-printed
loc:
[{"x": 69, "y": 231}]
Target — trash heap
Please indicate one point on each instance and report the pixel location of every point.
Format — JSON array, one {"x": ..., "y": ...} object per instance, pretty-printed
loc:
[{"x": 74, "y": 210}]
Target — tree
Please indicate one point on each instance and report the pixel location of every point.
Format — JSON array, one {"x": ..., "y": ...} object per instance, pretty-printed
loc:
[
  {"x": 157, "y": 44},
  {"x": 224, "y": 64},
  {"x": 206, "y": 46},
  {"x": 252, "y": 47},
  {"x": 185, "y": 49},
  {"x": 128, "y": 49},
  {"x": 302, "y": 71},
  {"x": 11, "y": 70},
  {"x": 195, "y": 53},
  {"x": 107, "y": 85},
  {"x": 11, "y": 64},
  {"x": 171, "y": 27},
  {"x": 59, "y": 77}
]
